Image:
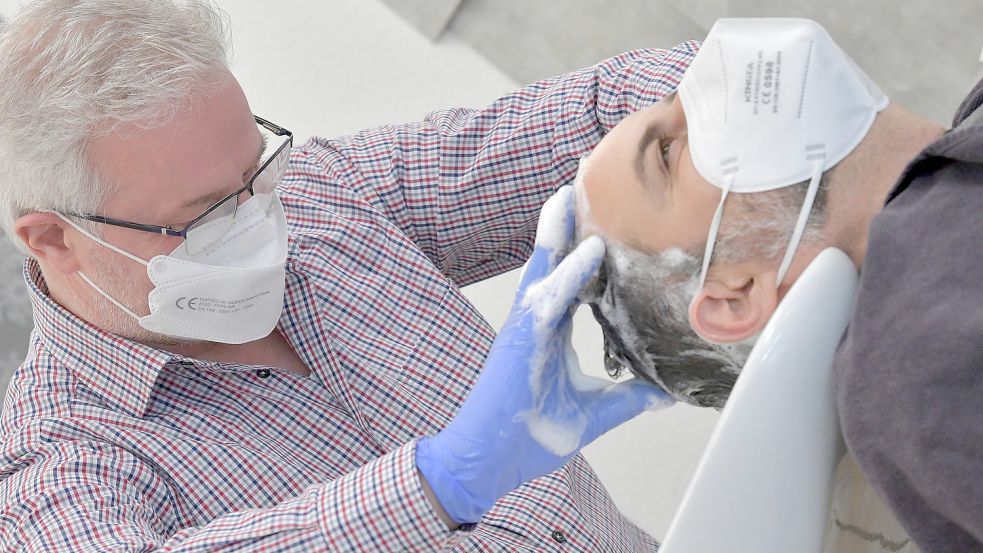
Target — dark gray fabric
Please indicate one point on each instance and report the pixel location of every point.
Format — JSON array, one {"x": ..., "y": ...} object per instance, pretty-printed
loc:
[{"x": 909, "y": 373}]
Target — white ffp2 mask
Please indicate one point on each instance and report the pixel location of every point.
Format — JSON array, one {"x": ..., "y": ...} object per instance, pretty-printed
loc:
[
  {"x": 231, "y": 292},
  {"x": 771, "y": 102}
]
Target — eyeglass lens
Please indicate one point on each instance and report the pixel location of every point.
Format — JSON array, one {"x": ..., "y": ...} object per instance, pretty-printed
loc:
[{"x": 211, "y": 228}]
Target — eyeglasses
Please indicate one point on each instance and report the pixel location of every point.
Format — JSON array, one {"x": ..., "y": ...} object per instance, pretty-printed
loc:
[{"x": 207, "y": 228}]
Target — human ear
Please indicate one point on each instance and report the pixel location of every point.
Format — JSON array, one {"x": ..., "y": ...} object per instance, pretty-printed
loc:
[
  {"x": 46, "y": 238},
  {"x": 729, "y": 310}
]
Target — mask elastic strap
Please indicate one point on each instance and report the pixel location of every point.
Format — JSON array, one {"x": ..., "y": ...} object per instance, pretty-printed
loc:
[
  {"x": 800, "y": 225},
  {"x": 102, "y": 292},
  {"x": 88, "y": 281},
  {"x": 98, "y": 240},
  {"x": 714, "y": 227}
]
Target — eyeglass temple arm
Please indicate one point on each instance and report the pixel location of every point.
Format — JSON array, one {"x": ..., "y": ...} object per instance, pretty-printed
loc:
[
  {"x": 126, "y": 224},
  {"x": 273, "y": 128}
]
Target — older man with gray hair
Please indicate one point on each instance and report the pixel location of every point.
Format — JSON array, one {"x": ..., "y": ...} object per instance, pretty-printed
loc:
[{"x": 242, "y": 344}]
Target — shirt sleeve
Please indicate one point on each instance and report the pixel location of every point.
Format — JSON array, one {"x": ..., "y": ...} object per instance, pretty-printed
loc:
[
  {"x": 466, "y": 185},
  {"x": 94, "y": 497}
]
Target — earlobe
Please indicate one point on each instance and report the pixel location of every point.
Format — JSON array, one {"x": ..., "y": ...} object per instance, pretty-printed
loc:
[
  {"x": 728, "y": 312},
  {"x": 46, "y": 238}
]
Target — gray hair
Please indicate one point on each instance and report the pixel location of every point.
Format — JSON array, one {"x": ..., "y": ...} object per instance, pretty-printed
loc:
[
  {"x": 760, "y": 224},
  {"x": 76, "y": 70},
  {"x": 641, "y": 301}
]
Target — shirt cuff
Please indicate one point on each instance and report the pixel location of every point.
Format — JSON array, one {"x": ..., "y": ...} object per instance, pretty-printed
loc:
[{"x": 382, "y": 507}]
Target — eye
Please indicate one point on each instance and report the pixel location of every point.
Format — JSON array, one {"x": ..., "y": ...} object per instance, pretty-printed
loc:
[{"x": 664, "y": 149}]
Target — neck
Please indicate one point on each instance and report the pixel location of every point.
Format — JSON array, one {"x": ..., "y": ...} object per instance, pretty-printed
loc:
[{"x": 863, "y": 180}]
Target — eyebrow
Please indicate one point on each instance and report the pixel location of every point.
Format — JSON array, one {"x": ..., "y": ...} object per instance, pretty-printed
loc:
[
  {"x": 212, "y": 197},
  {"x": 651, "y": 134}
]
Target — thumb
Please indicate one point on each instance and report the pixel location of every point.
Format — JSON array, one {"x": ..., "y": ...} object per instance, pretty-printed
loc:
[
  {"x": 626, "y": 400},
  {"x": 554, "y": 233}
]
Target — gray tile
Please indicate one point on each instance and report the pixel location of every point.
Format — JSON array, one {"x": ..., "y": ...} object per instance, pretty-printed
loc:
[
  {"x": 16, "y": 319},
  {"x": 924, "y": 55},
  {"x": 430, "y": 17},
  {"x": 534, "y": 39}
]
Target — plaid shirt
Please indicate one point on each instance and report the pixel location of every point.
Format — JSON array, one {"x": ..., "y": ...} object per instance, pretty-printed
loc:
[{"x": 110, "y": 445}]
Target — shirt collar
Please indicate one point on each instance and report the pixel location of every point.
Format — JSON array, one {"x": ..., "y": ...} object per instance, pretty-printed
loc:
[
  {"x": 970, "y": 104},
  {"x": 121, "y": 371}
]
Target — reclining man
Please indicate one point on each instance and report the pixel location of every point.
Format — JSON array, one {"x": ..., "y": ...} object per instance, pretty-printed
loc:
[
  {"x": 241, "y": 345},
  {"x": 770, "y": 123}
]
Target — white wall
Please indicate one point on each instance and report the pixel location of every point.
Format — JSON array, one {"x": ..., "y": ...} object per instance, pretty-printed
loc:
[{"x": 331, "y": 67}]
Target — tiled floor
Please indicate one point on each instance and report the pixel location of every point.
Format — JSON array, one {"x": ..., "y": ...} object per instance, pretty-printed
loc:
[{"x": 924, "y": 54}]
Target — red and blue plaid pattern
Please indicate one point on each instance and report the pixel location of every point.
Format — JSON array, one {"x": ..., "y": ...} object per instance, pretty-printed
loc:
[{"x": 110, "y": 445}]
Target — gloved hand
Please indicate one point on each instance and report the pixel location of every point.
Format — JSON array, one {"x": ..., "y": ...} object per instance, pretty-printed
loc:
[{"x": 532, "y": 408}]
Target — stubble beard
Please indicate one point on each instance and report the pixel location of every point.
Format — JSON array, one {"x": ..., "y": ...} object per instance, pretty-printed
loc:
[{"x": 108, "y": 276}]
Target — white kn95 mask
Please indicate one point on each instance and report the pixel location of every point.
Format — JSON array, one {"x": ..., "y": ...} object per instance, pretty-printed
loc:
[
  {"x": 772, "y": 102},
  {"x": 231, "y": 292}
]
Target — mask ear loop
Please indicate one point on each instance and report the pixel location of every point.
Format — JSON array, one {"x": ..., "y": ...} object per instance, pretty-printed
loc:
[
  {"x": 106, "y": 295},
  {"x": 800, "y": 225},
  {"x": 715, "y": 227},
  {"x": 88, "y": 281},
  {"x": 100, "y": 241}
]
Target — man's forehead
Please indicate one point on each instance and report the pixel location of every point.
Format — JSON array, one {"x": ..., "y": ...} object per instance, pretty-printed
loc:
[
  {"x": 587, "y": 225},
  {"x": 212, "y": 195},
  {"x": 158, "y": 171}
]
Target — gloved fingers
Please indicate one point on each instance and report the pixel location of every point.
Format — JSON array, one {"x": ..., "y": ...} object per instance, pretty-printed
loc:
[
  {"x": 553, "y": 235},
  {"x": 556, "y": 220},
  {"x": 551, "y": 298},
  {"x": 624, "y": 401},
  {"x": 572, "y": 375}
]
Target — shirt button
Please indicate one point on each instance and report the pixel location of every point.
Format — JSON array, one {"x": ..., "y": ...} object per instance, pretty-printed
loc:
[
  {"x": 262, "y": 373},
  {"x": 558, "y": 536}
]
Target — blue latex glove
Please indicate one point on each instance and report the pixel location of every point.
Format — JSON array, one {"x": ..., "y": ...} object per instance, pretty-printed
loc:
[{"x": 532, "y": 408}]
